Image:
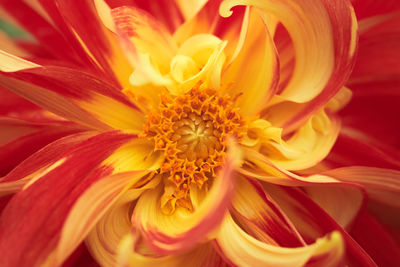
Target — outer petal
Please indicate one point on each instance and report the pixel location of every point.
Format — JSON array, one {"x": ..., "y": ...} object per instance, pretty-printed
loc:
[
  {"x": 183, "y": 229},
  {"x": 323, "y": 188},
  {"x": 59, "y": 90},
  {"x": 376, "y": 240},
  {"x": 98, "y": 50},
  {"x": 37, "y": 214},
  {"x": 382, "y": 185},
  {"x": 355, "y": 148},
  {"x": 13, "y": 105},
  {"x": 169, "y": 13},
  {"x": 378, "y": 51},
  {"x": 39, "y": 162},
  {"x": 87, "y": 210},
  {"x": 368, "y": 8},
  {"x": 244, "y": 250},
  {"x": 42, "y": 29},
  {"x": 313, "y": 222},
  {"x": 19, "y": 139},
  {"x": 259, "y": 215}
]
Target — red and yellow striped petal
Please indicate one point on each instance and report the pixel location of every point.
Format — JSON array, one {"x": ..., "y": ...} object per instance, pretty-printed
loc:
[
  {"x": 59, "y": 89},
  {"x": 98, "y": 50},
  {"x": 19, "y": 139},
  {"x": 313, "y": 222},
  {"x": 382, "y": 185},
  {"x": 244, "y": 250},
  {"x": 342, "y": 203},
  {"x": 43, "y": 30},
  {"x": 184, "y": 229},
  {"x": 209, "y": 21},
  {"x": 104, "y": 239},
  {"x": 259, "y": 216},
  {"x": 87, "y": 210},
  {"x": 38, "y": 162},
  {"x": 36, "y": 215}
]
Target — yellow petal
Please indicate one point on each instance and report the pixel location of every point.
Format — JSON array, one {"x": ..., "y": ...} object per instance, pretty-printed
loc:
[
  {"x": 203, "y": 255},
  {"x": 244, "y": 250},
  {"x": 166, "y": 233},
  {"x": 254, "y": 73},
  {"x": 104, "y": 239},
  {"x": 309, "y": 145}
]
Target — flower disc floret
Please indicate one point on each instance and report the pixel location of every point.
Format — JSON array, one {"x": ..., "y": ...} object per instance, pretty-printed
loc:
[{"x": 192, "y": 130}]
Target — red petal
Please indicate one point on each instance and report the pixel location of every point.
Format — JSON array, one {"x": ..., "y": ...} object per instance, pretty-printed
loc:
[
  {"x": 36, "y": 214},
  {"x": 259, "y": 215},
  {"x": 59, "y": 89},
  {"x": 96, "y": 46},
  {"x": 377, "y": 241},
  {"x": 355, "y": 148},
  {"x": 368, "y": 8},
  {"x": 40, "y": 28},
  {"x": 12, "y": 104},
  {"x": 27, "y": 138},
  {"x": 46, "y": 156},
  {"x": 379, "y": 53}
]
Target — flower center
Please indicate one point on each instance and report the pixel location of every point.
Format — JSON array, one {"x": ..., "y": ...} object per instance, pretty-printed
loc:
[{"x": 192, "y": 130}]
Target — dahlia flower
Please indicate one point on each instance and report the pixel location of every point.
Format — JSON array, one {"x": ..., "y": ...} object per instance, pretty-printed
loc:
[{"x": 200, "y": 133}]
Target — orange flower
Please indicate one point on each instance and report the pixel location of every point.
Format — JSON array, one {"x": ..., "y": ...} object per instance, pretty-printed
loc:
[{"x": 200, "y": 133}]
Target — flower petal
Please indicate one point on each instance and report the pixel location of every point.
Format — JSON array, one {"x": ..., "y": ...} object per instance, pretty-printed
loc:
[
  {"x": 355, "y": 148},
  {"x": 183, "y": 229},
  {"x": 244, "y": 250},
  {"x": 59, "y": 89},
  {"x": 378, "y": 242},
  {"x": 203, "y": 255},
  {"x": 98, "y": 50},
  {"x": 105, "y": 237},
  {"x": 15, "y": 106},
  {"x": 39, "y": 27},
  {"x": 313, "y": 68},
  {"x": 378, "y": 54},
  {"x": 19, "y": 139},
  {"x": 261, "y": 217},
  {"x": 382, "y": 185},
  {"x": 37, "y": 214},
  {"x": 256, "y": 82},
  {"x": 147, "y": 34},
  {"x": 309, "y": 145},
  {"x": 38, "y": 162},
  {"x": 208, "y": 21},
  {"x": 342, "y": 203},
  {"x": 368, "y": 8},
  {"x": 313, "y": 222},
  {"x": 88, "y": 209}
]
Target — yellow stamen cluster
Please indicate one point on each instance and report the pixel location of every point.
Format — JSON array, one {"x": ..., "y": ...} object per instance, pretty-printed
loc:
[{"x": 192, "y": 130}]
